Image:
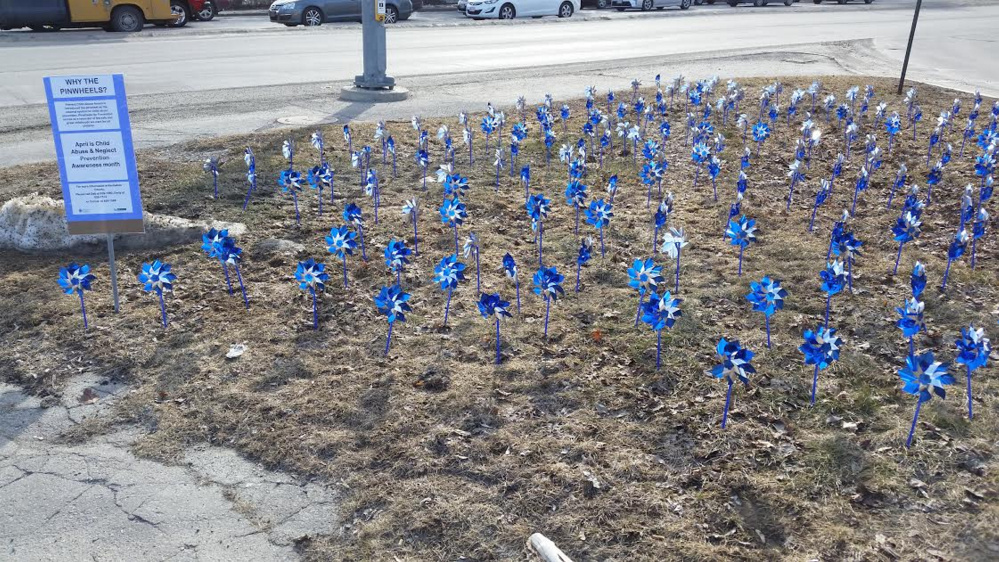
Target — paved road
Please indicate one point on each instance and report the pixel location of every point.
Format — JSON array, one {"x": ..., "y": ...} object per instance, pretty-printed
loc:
[{"x": 240, "y": 74}]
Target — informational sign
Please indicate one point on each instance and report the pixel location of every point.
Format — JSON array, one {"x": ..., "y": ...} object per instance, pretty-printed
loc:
[
  {"x": 380, "y": 10},
  {"x": 93, "y": 142}
]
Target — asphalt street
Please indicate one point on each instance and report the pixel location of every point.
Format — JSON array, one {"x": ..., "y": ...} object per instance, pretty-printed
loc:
[{"x": 242, "y": 74}]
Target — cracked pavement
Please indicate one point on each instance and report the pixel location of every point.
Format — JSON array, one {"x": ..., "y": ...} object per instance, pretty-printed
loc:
[{"x": 97, "y": 501}]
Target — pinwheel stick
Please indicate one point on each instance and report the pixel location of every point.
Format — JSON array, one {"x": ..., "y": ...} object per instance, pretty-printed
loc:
[
  {"x": 971, "y": 413},
  {"x": 345, "y": 270},
  {"x": 767, "y": 320},
  {"x": 728, "y": 401},
  {"x": 163, "y": 309},
  {"x": 83, "y": 309},
  {"x": 677, "y": 288},
  {"x": 456, "y": 238},
  {"x": 319, "y": 193},
  {"x": 388, "y": 340},
  {"x": 298, "y": 218},
  {"x": 815, "y": 210},
  {"x": 828, "y": 302},
  {"x": 638, "y": 311},
  {"x": 478, "y": 272},
  {"x": 315, "y": 311},
  {"x": 815, "y": 382},
  {"x": 416, "y": 236},
  {"x": 915, "y": 418},
  {"x": 548, "y": 307},
  {"x": 741, "y": 250},
  {"x": 360, "y": 232},
  {"x": 579, "y": 268},
  {"x": 659, "y": 348},
  {"x": 447, "y": 307},
  {"x": 228, "y": 281},
  {"x": 242, "y": 288},
  {"x": 541, "y": 242},
  {"x": 215, "y": 182},
  {"x": 516, "y": 283},
  {"x": 497, "y": 341},
  {"x": 601, "y": 241},
  {"x": 943, "y": 286},
  {"x": 897, "y": 257}
]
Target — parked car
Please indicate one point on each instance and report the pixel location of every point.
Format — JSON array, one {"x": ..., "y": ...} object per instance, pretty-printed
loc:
[
  {"x": 598, "y": 4},
  {"x": 509, "y": 9},
  {"x": 209, "y": 9},
  {"x": 317, "y": 12},
  {"x": 757, "y": 3},
  {"x": 646, "y": 5},
  {"x": 187, "y": 10},
  {"x": 112, "y": 15}
]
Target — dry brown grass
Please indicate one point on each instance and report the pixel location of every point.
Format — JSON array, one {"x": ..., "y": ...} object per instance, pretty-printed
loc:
[{"x": 440, "y": 455}]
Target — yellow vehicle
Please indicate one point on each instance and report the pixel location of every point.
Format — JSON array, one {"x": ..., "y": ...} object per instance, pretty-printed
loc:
[{"x": 112, "y": 15}]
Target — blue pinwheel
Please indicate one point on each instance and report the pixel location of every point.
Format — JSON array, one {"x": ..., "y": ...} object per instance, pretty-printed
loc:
[
  {"x": 352, "y": 215},
  {"x": 575, "y": 195},
  {"x": 767, "y": 296},
  {"x": 978, "y": 232},
  {"x": 211, "y": 166},
  {"x": 821, "y": 196},
  {"x": 956, "y": 249},
  {"x": 412, "y": 210},
  {"x": 288, "y": 151},
  {"x": 699, "y": 154},
  {"x": 673, "y": 243},
  {"x": 392, "y": 302},
  {"x": 537, "y": 209},
  {"x": 390, "y": 146},
  {"x": 319, "y": 177},
  {"x": 583, "y": 257},
  {"x": 396, "y": 258},
  {"x": 510, "y": 270},
  {"x": 714, "y": 168},
  {"x": 448, "y": 274},
  {"x": 157, "y": 278},
  {"x": 231, "y": 255},
  {"x": 910, "y": 320},
  {"x": 847, "y": 247},
  {"x": 661, "y": 312},
  {"x": 317, "y": 142},
  {"x": 973, "y": 350},
  {"x": 833, "y": 281},
  {"x": 761, "y": 132},
  {"x": 548, "y": 285},
  {"x": 918, "y": 279},
  {"x": 933, "y": 177},
  {"x": 644, "y": 276},
  {"x": 251, "y": 174},
  {"x": 291, "y": 181},
  {"x": 311, "y": 277},
  {"x": 900, "y": 178},
  {"x": 821, "y": 348},
  {"x": 341, "y": 244},
  {"x": 734, "y": 365},
  {"x": 740, "y": 233},
  {"x": 796, "y": 174},
  {"x": 599, "y": 215},
  {"x": 211, "y": 244},
  {"x": 453, "y": 213},
  {"x": 923, "y": 376},
  {"x": 492, "y": 306},
  {"x": 471, "y": 247},
  {"x": 76, "y": 279},
  {"x": 893, "y": 125},
  {"x": 905, "y": 230}
]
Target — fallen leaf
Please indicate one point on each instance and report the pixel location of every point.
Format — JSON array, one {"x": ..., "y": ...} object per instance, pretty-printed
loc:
[{"x": 88, "y": 396}]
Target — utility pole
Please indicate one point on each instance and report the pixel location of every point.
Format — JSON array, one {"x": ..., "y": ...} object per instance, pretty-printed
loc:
[
  {"x": 908, "y": 49},
  {"x": 374, "y": 85}
]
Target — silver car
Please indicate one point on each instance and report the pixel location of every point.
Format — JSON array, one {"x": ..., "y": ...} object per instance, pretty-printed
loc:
[{"x": 318, "y": 12}]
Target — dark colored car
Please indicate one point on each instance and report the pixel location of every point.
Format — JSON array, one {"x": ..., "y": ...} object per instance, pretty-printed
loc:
[
  {"x": 317, "y": 12},
  {"x": 598, "y": 4}
]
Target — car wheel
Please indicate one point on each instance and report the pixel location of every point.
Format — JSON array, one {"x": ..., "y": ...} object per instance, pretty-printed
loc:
[
  {"x": 842, "y": 1},
  {"x": 312, "y": 17},
  {"x": 868, "y": 1},
  {"x": 788, "y": 2},
  {"x": 709, "y": 2},
  {"x": 816, "y": 1},
  {"x": 207, "y": 12},
  {"x": 179, "y": 10},
  {"x": 646, "y": 5},
  {"x": 603, "y": 4},
  {"x": 507, "y": 12},
  {"x": 127, "y": 19},
  {"x": 565, "y": 10},
  {"x": 684, "y": 4},
  {"x": 391, "y": 14}
]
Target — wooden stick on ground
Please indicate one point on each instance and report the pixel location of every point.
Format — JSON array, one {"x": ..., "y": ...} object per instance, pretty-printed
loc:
[{"x": 546, "y": 549}]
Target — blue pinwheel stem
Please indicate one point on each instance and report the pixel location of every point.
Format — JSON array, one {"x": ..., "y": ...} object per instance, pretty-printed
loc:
[
  {"x": 741, "y": 250},
  {"x": 416, "y": 236},
  {"x": 393, "y": 165},
  {"x": 360, "y": 232},
  {"x": 676, "y": 289},
  {"x": 424, "y": 177},
  {"x": 790, "y": 195},
  {"x": 828, "y": 302},
  {"x": 541, "y": 242},
  {"x": 697, "y": 173},
  {"x": 163, "y": 308},
  {"x": 83, "y": 309},
  {"x": 548, "y": 308},
  {"x": 294, "y": 196},
  {"x": 655, "y": 239},
  {"x": 915, "y": 418},
  {"x": 497, "y": 341},
  {"x": 971, "y": 413},
  {"x": 478, "y": 272},
  {"x": 815, "y": 209},
  {"x": 601, "y": 241},
  {"x": 345, "y": 270},
  {"x": 246, "y": 200},
  {"x": 225, "y": 270},
  {"x": 215, "y": 182},
  {"x": 455, "y": 238},
  {"x": 767, "y": 320},
  {"x": 659, "y": 348},
  {"x": 447, "y": 307},
  {"x": 891, "y": 140},
  {"x": 714, "y": 188},
  {"x": 648, "y": 196},
  {"x": 388, "y": 340},
  {"x": 576, "y": 231},
  {"x": 912, "y": 347},
  {"x": 579, "y": 268},
  {"x": 815, "y": 382},
  {"x": 974, "y": 249},
  {"x": 398, "y": 276},
  {"x": 242, "y": 288},
  {"x": 849, "y": 273},
  {"x": 728, "y": 401},
  {"x": 943, "y": 286},
  {"x": 319, "y": 192},
  {"x": 898, "y": 256},
  {"x": 853, "y": 208},
  {"x": 315, "y": 311}
]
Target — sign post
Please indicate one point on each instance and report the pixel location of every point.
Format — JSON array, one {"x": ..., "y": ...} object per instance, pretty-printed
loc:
[
  {"x": 93, "y": 142},
  {"x": 373, "y": 42},
  {"x": 908, "y": 48}
]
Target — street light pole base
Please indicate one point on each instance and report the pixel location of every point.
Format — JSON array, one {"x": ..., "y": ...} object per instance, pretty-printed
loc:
[{"x": 373, "y": 95}]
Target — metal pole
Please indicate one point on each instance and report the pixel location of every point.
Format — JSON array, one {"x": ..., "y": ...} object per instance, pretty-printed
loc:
[
  {"x": 373, "y": 41},
  {"x": 908, "y": 49},
  {"x": 114, "y": 271}
]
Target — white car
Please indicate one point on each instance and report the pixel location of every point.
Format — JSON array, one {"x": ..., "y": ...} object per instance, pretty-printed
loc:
[
  {"x": 509, "y": 9},
  {"x": 646, "y": 5}
]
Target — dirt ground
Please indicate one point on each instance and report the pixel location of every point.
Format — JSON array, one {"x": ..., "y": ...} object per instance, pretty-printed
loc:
[{"x": 441, "y": 455}]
